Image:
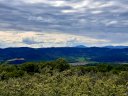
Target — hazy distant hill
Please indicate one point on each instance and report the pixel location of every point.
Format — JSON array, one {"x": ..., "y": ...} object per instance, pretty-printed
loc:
[
  {"x": 80, "y": 46},
  {"x": 116, "y": 47},
  {"x": 72, "y": 54},
  {"x": 112, "y": 47}
]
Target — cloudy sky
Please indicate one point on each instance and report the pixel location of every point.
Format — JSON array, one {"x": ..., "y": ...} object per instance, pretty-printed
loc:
[{"x": 57, "y": 23}]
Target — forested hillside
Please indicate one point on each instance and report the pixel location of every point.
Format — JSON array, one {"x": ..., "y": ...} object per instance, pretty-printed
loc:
[{"x": 72, "y": 54}]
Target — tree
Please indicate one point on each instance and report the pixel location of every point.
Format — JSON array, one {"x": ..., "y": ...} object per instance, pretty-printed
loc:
[
  {"x": 30, "y": 67},
  {"x": 61, "y": 64}
]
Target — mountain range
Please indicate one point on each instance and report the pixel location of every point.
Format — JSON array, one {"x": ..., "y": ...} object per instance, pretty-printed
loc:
[
  {"x": 114, "y": 47},
  {"x": 72, "y": 54}
]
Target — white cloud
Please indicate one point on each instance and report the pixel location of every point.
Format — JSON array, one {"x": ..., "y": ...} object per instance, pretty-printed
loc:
[
  {"x": 56, "y": 3},
  {"x": 37, "y": 39},
  {"x": 34, "y": 1},
  {"x": 111, "y": 23},
  {"x": 108, "y": 4},
  {"x": 97, "y": 12}
]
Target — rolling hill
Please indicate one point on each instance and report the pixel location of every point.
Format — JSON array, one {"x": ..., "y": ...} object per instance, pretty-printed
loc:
[{"x": 72, "y": 54}]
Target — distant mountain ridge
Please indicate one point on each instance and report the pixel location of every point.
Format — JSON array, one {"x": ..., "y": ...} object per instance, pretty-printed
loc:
[
  {"x": 116, "y": 47},
  {"x": 80, "y": 46},
  {"x": 70, "y": 53}
]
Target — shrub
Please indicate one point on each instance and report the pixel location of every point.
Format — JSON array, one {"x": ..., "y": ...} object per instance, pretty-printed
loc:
[
  {"x": 61, "y": 64},
  {"x": 104, "y": 68},
  {"x": 30, "y": 67}
]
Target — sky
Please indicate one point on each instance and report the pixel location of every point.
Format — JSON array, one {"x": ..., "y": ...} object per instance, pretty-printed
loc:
[{"x": 62, "y": 23}]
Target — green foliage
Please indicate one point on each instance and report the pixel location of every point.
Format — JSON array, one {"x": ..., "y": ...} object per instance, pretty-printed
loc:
[
  {"x": 60, "y": 85},
  {"x": 58, "y": 78},
  {"x": 30, "y": 67},
  {"x": 8, "y": 68},
  {"x": 122, "y": 67},
  {"x": 6, "y": 75},
  {"x": 62, "y": 64},
  {"x": 83, "y": 70},
  {"x": 104, "y": 68},
  {"x": 7, "y": 71}
]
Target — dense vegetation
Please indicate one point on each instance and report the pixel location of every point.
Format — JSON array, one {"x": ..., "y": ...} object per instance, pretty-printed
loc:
[{"x": 58, "y": 78}]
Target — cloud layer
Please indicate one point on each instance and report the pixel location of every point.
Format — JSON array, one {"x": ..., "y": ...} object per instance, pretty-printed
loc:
[
  {"x": 34, "y": 39},
  {"x": 102, "y": 21}
]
